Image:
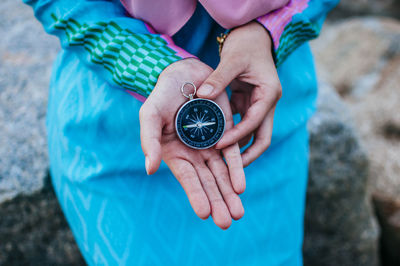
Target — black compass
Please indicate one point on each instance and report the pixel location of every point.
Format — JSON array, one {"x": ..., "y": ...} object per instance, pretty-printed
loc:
[{"x": 199, "y": 123}]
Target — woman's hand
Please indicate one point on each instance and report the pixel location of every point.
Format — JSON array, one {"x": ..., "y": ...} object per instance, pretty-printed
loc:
[
  {"x": 210, "y": 184},
  {"x": 247, "y": 64}
]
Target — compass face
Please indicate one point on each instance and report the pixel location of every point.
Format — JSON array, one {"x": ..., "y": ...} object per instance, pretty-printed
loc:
[{"x": 200, "y": 123}]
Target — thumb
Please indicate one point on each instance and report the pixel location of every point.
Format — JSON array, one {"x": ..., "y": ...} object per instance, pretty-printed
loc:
[
  {"x": 218, "y": 80},
  {"x": 150, "y": 135}
]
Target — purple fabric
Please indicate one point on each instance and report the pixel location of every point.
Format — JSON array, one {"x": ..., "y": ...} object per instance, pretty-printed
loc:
[{"x": 168, "y": 16}]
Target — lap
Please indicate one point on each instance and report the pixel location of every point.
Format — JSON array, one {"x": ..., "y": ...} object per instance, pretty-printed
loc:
[{"x": 119, "y": 215}]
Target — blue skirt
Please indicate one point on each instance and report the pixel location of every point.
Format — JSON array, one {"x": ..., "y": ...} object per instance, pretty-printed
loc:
[{"x": 121, "y": 216}]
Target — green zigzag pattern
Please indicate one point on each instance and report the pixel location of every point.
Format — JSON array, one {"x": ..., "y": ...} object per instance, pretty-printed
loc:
[
  {"x": 294, "y": 35},
  {"x": 134, "y": 60}
]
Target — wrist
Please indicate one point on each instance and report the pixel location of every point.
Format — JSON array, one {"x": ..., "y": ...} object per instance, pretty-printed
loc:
[
  {"x": 269, "y": 38},
  {"x": 255, "y": 30},
  {"x": 247, "y": 39}
]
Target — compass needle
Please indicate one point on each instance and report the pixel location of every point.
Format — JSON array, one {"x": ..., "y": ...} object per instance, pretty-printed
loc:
[
  {"x": 209, "y": 123},
  {"x": 190, "y": 126}
]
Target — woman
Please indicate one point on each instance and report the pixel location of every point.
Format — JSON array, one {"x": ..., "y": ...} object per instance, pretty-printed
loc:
[{"x": 117, "y": 213}]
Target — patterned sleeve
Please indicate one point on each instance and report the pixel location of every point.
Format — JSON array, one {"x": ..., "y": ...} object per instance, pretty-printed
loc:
[
  {"x": 294, "y": 24},
  {"x": 123, "y": 50}
]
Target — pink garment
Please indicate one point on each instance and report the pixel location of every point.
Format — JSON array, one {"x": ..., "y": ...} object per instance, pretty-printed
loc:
[{"x": 168, "y": 16}]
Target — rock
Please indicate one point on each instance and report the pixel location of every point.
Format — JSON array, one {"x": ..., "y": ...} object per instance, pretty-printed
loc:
[
  {"x": 33, "y": 231},
  {"x": 352, "y": 54},
  {"x": 377, "y": 117},
  {"x": 367, "y": 7},
  {"x": 26, "y": 55},
  {"x": 340, "y": 228},
  {"x": 388, "y": 213},
  {"x": 363, "y": 57}
]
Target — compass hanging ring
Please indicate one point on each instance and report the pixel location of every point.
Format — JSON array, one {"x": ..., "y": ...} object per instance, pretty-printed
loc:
[
  {"x": 191, "y": 95},
  {"x": 199, "y": 123}
]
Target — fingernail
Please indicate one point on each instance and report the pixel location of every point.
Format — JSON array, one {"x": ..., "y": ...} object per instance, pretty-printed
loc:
[
  {"x": 206, "y": 89},
  {"x": 147, "y": 165}
]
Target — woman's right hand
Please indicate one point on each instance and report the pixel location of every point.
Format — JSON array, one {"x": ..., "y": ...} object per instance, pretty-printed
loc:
[
  {"x": 247, "y": 65},
  {"x": 210, "y": 184}
]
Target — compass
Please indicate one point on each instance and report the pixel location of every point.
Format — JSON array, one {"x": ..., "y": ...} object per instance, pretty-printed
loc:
[{"x": 199, "y": 123}]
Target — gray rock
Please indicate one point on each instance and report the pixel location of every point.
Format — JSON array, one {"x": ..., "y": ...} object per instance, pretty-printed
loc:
[
  {"x": 361, "y": 57},
  {"x": 347, "y": 8},
  {"x": 26, "y": 53},
  {"x": 352, "y": 54},
  {"x": 33, "y": 231},
  {"x": 340, "y": 228}
]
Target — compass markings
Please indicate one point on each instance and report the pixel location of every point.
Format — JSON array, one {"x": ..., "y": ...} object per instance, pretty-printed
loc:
[{"x": 200, "y": 124}]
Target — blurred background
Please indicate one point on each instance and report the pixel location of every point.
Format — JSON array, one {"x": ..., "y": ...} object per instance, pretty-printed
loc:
[{"x": 353, "y": 198}]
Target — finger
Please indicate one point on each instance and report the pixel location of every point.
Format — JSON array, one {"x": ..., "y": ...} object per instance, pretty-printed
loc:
[
  {"x": 261, "y": 142},
  {"x": 232, "y": 155},
  {"x": 219, "y": 210},
  {"x": 216, "y": 83},
  {"x": 189, "y": 180},
  {"x": 219, "y": 170},
  {"x": 150, "y": 135},
  {"x": 235, "y": 165},
  {"x": 250, "y": 122}
]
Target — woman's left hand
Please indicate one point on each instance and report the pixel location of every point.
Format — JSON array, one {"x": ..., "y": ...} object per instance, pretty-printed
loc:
[
  {"x": 211, "y": 184},
  {"x": 248, "y": 66}
]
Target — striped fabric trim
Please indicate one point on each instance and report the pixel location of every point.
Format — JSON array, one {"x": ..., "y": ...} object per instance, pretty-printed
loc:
[
  {"x": 294, "y": 35},
  {"x": 286, "y": 34},
  {"x": 134, "y": 60}
]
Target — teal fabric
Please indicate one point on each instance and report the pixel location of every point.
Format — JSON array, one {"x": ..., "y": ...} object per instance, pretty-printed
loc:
[{"x": 121, "y": 216}]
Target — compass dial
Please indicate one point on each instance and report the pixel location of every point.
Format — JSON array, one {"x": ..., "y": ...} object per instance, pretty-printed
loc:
[{"x": 200, "y": 123}]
